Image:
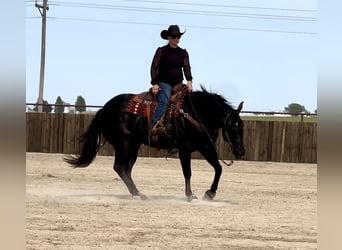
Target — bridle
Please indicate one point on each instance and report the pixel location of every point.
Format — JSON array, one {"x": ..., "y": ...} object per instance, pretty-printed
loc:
[{"x": 225, "y": 126}]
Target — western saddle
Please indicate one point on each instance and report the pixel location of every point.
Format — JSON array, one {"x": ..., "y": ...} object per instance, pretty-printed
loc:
[{"x": 145, "y": 103}]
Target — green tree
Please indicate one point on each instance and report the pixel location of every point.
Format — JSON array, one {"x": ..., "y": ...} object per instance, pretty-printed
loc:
[
  {"x": 47, "y": 108},
  {"x": 80, "y": 104},
  {"x": 295, "y": 108},
  {"x": 59, "y": 108}
]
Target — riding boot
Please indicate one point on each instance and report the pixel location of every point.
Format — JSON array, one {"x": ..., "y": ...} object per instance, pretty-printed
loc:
[{"x": 158, "y": 129}]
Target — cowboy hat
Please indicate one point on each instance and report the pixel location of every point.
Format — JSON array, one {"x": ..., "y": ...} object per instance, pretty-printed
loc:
[{"x": 173, "y": 30}]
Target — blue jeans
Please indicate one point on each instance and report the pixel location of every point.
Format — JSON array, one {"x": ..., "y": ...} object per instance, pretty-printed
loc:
[{"x": 163, "y": 98}]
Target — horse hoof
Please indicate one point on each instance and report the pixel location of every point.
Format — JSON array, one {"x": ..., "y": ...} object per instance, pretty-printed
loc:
[
  {"x": 192, "y": 197},
  {"x": 209, "y": 195},
  {"x": 135, "y": 197},
  {"x": 143, "y": 197},
  {"x": 139, "y": 196}
]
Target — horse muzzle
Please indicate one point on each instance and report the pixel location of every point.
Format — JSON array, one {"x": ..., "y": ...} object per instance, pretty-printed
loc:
[{"x": 239, "y": 152}]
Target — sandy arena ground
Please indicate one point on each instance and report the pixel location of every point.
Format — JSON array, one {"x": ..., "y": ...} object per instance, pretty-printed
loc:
[{"x": 259, "y": 205}]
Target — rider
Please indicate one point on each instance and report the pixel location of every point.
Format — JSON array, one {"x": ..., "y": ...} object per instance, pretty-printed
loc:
[{"x": 168, "y": 64}]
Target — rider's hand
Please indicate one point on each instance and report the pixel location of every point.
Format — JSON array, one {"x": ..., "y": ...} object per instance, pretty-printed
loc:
[
  {"x": 189, "y": 85},
  {"x": 155, "y": 88}
]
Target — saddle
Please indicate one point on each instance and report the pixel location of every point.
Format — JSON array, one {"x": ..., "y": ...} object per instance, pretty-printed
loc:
[{"x": 145, "y": 103}]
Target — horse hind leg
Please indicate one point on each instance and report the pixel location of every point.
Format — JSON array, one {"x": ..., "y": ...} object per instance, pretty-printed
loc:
[
  {"x": 185, "y": 159},
  {"x": 120, "y": 169},
  {"x": 129, "y": 169},
  {"x": 125, "y": 157},
  {"x": 123, "y": 167}
]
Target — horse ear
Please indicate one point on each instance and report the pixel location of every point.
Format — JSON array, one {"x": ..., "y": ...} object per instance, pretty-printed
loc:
[{"x": 240, "y": 107}]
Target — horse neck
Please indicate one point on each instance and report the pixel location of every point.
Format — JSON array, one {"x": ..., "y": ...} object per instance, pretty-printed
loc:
[
  {"x": 212, "y": 115},
  {"x": 211, "y": 108}
]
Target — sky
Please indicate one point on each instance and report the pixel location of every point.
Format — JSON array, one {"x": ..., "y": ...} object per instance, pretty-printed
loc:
[{"x": 261, "y": 52}]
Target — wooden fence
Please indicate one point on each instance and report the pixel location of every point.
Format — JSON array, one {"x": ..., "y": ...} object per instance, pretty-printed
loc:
[{"x": 264, "y": 140}]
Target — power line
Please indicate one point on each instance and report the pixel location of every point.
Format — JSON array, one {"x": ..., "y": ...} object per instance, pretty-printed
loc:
[
  {"x": 190, "y": 26},
  {"x": 221, "y": 5},
  {"x": 160, "y": 10},
  {"x": 212, "y": 5},
  {"x": 188, "y": 12},
  {"x": 206, "y": 5}
]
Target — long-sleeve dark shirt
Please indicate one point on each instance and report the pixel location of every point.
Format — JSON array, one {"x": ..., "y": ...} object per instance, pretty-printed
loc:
[{"x": 168, "y": 65}]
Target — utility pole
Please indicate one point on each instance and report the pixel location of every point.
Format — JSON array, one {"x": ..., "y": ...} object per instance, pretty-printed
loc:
[{"x": 42, "y": 9}]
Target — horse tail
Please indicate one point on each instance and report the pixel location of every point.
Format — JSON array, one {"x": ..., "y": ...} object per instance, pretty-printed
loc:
[{"x": 91, "y": 145}]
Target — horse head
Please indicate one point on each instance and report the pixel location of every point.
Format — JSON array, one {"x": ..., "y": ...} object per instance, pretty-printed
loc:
[{"x": 232, "y": 131}]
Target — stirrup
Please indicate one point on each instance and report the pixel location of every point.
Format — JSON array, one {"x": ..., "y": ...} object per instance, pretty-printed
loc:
[
  {"x": 172, "y": 152},
  {"x": 158, "y": 130},
  {"x": 158, "y": 125}
]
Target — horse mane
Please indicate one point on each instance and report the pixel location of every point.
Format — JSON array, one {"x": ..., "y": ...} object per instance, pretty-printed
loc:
[{"x": 211, "y": 98}]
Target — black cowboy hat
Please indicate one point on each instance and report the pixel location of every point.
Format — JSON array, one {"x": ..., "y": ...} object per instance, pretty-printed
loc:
[{"x": 173, "y": 30}]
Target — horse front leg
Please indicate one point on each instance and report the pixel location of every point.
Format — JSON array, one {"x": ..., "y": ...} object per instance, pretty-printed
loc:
[
  {"x": 185, "y": 159},
  {"x": 211, "y": 157},
  {"x": 211, "y": 193}
]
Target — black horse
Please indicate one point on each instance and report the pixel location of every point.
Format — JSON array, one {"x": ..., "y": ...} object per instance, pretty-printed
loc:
[{"x": 196, "y": 128}]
